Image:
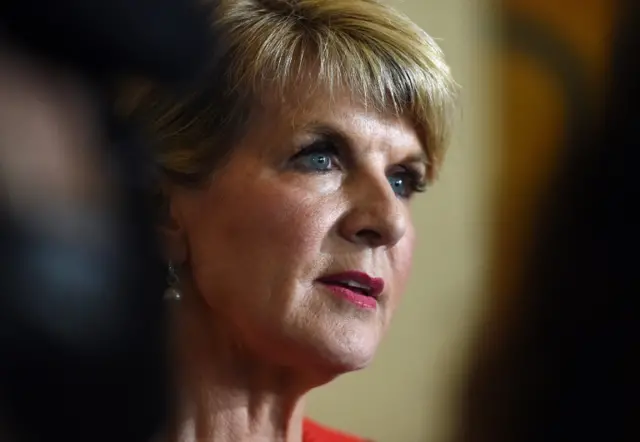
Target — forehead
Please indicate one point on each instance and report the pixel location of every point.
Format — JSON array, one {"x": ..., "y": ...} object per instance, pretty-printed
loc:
[{"x": 354, "y": 120}]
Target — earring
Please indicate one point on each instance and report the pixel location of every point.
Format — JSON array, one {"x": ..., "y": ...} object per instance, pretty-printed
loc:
[{"x": 172, "y": 293}]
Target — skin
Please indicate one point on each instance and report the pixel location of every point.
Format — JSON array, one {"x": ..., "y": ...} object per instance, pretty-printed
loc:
[{"x": 255, "y": 330}]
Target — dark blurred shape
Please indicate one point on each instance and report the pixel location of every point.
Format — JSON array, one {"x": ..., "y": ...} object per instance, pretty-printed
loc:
[
  {"x": 167, "y": 40},
  {"x": 568, "y": 369},
  {"x": 82, "y": 332}
]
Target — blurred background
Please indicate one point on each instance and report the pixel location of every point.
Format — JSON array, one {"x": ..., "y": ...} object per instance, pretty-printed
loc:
[
  {"x": 530, "y": 71},
  {"x": 496, "y": 338}
]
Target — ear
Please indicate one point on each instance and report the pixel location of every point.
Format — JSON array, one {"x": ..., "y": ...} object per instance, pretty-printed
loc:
[{"x": 172, "y": 232}]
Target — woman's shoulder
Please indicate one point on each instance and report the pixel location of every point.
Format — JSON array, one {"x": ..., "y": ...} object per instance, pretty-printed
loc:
[{"x": 314, "y": 432}]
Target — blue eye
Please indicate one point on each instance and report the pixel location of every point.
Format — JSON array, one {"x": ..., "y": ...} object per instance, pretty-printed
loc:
[
  {"x": 319, "y": 161},
  {"x": 323, "y": 155},
  {"x": 400, "y": 185},
  {"x": 405, "y": 183}
]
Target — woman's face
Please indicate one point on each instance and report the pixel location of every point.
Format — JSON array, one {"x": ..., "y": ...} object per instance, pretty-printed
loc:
[{"x": 301, "y": 244}]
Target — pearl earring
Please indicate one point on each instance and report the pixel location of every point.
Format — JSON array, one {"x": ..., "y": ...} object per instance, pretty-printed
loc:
[{"x": 172, "y": 293}]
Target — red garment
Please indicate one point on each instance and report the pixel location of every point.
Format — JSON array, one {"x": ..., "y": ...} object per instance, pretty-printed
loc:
[{"x": 313, "y": 432}]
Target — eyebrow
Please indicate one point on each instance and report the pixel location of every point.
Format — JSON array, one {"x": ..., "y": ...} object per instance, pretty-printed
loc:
[
  {"x": 331, "y": 133},
  {"x": 339, "y": 137},
  {"x": 419, "y": 158},
  {"x": 326, "y": 130}
]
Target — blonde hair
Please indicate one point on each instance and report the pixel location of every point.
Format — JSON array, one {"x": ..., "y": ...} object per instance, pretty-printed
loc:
[{"x": 271, "y": 47}]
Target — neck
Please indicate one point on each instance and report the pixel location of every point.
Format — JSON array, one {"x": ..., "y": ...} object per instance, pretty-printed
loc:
[{"x": 228, "y": 394}]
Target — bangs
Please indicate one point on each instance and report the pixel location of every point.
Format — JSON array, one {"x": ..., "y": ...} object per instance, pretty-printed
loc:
[
  {"x": 288, "y": 49},
  {"x": 374, "y": 53}
]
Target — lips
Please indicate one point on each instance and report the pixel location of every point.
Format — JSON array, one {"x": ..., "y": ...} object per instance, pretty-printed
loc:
[{"x": 358, "y": 282}]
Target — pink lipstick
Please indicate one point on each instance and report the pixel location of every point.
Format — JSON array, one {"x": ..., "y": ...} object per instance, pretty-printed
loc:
[{"x": 358, "y": 288}]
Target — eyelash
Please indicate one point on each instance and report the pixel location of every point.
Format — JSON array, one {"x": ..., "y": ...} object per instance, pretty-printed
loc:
[
  {"x": 416, "y": 182},
  {"x": 319, "y": 147},
  {"x": 414, "y": 178}
]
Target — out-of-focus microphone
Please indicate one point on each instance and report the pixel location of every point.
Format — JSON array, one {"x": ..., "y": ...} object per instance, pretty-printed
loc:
[{"x": 82, "y": 332}]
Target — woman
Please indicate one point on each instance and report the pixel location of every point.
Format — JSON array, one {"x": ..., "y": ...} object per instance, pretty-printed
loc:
[{"x": 286, "y": 187}]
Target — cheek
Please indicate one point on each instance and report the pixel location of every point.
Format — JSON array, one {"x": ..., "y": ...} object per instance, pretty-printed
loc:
[
  {"x": 262, "y": 231},
  {"x": 284, "y": 224},
  {"x": 403, "y": 261}
]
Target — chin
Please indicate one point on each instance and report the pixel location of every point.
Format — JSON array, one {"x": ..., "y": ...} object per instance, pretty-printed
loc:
[
  {"x": 353, "y": 363},
  {"x": 343, "y": 354}
]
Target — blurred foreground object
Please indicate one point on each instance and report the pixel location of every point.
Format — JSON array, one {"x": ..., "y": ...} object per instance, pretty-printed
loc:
[
  {"x": 82, "y": 339},
  {"x": 565, "y": 367}
]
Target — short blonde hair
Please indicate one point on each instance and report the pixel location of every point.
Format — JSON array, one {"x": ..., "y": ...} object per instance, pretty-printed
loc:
[{"x": 271, "y": 46}]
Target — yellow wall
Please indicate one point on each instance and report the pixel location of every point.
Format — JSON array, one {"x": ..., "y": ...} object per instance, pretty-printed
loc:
[{"x": 406, "y": 395}]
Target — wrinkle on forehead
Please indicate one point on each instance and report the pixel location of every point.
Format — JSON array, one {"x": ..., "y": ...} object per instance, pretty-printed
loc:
[
  {"x": 373, "y": 130},
  {"x": 364, "y": 125}
]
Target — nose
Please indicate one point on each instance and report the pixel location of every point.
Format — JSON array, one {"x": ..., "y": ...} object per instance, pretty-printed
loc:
[{"x": 376, "y": 218}]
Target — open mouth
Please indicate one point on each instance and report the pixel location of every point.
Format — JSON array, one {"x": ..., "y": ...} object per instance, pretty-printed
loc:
[
  {"x": 357, "y": 282},
  {"x": 351, "y": 285}
]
